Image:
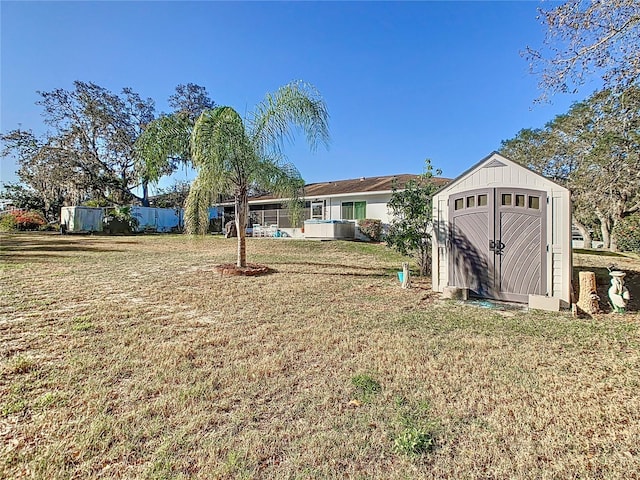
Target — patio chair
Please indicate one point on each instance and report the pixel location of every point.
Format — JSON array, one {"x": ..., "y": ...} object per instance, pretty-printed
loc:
[{"x": 271, "y": 231}]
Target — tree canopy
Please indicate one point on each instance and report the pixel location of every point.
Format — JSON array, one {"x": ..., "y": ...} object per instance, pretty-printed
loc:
[
  {"x": 88, "y": 153},
  {"x": 593, "y": 149},
  {"x": 412, "y": 223},
  {"x": 585, "y": 38}
]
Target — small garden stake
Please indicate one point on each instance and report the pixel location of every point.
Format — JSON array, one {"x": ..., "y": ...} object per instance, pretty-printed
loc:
[{"x": 406, "y": 280}]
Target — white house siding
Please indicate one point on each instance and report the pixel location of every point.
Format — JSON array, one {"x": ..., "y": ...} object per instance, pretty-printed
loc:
[
  {"x": 510, "y": 175},
  {"x": 376, "y": 205}
]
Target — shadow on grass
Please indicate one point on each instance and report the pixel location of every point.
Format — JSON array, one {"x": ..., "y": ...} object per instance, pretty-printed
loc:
[
  {"x": 598, "y": 253},
  {"x": 337, "y": 274},
  {"x": 59, "y": 248},
  {"x": 22, "y": 244},
  {"x": 349, "y": 271},
  {"x": 328, "y": 265},
  {"x": 28, "y": 258}
]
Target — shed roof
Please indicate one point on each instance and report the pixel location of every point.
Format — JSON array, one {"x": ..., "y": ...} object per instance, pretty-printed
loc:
[{"x": 495, "y": 159}]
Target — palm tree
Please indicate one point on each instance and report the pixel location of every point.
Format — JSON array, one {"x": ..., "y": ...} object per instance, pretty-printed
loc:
[{"x": 232, "y": 155}]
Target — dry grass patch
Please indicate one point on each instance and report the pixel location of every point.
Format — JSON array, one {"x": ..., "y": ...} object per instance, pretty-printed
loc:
[{"x": 130, "y": 357}]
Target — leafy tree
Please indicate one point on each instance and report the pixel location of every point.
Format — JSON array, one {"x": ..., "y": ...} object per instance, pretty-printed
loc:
[
  {"x": 165, "y": 144},
  {"x": 173, "y": 196},
  {"x": 45, "y": 172},
  {"x": 191, "y": 100},
  {"x": 23, "y": 197},
  {"x": 411, "y": 226},
  {"x": 627, "y": 232},
  {"x": 585, "y": 37},
  {"x": 594, "y": 150},
  {"x": 233, "y": 156},
  {"x": 89, "y": 152}
]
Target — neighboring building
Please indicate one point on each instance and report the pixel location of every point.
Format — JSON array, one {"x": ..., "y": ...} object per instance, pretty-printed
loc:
[
  {"x": 355, "y": 199},
  {"x": 6, "y": 204}
]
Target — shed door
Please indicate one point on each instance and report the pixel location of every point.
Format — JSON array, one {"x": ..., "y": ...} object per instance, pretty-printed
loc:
[{"x": 497, "y": 243}]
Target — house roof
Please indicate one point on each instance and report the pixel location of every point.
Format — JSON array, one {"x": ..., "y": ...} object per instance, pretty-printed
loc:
[{"x": 355, "y": 185}]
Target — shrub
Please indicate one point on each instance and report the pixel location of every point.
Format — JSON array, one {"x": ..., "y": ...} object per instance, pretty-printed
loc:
[
  {"x": 627, "y": 233},
  {"x": 411, "y": 225},
  {"x": 96, "y": 203},
  {"x": 51, "y": 227},
  {"x": 22, "y": 220},
  {"x": 372, "y": 228},
  {"x": 8, "y": 223},
  {"x": 121, "y": 220},
  {"x": 30, "y": 220}
]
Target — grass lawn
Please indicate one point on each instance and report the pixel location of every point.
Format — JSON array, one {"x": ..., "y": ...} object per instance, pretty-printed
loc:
[{"x": 129, "y": 357}]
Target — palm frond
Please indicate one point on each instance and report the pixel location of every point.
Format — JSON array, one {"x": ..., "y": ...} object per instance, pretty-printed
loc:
[
  {"x": 220, "y": 148},
  {"x": 297, "y": 104},
  {"x": 164, "y": 142},
  {"x": 196, "y": 211},
  {"x": 280, "y": 178}
]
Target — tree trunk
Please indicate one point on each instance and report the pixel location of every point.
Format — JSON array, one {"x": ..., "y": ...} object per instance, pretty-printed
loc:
[
  {"x": 586, "y": 234},
  {"x": 613, "y": 242},
  {"x": 588, "y": 299},
  {"x": 241, "y": 223},
  {"x": 424, "y": 261},
  {"x": 145, "y": 193},
  {"x": 616, "y": 218},
  {"x": 605, "y": 228}
]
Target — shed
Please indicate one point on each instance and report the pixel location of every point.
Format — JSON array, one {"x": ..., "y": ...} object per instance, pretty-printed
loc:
[
  {"x": 81, "y": 219},
  {"x": 503, "y": 232}
]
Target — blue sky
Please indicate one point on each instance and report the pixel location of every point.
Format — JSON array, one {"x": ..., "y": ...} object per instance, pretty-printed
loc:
[{"x": 402, "y": 81}]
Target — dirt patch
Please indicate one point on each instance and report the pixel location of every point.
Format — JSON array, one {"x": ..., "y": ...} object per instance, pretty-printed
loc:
[{"x": 251, "y": 270}]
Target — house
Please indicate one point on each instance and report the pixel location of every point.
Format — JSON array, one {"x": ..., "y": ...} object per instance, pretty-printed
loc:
[
  {"x": 6, "y": 205},
  {"x": 333, "y": 201},
  {"x": 503, "y": 232}
]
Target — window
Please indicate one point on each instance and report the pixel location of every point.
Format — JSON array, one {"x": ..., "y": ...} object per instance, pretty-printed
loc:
[
  {"x": 482, "y": 200},
  {"x": 459, "y": 204},
  {"x": 534, "y": 202},
  {"x": 347, "y": 210},
  {"x": 506, "y": 199},
  {"x": 520, "y": 201},
  {"x": 354, "y": 210},
  {"x": 471, "y": 202},
  {"x": 316, "y": 210}
]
